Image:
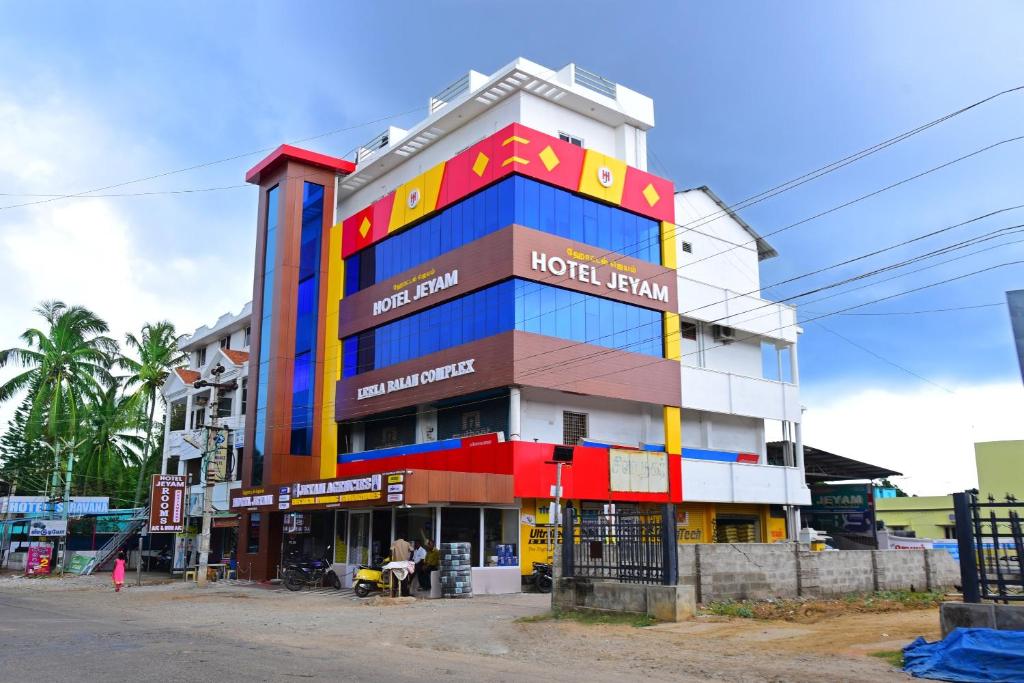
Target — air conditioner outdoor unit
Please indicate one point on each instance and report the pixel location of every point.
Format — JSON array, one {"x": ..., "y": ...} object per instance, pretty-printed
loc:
[{"x": 723, "y": 333}]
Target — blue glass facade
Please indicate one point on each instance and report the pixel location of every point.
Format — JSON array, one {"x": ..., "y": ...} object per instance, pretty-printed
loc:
[
  {"x": 510, "y": 305},
  {"x": 269, "y": 255},
  {"x": 513, "y": 200},
  {"x": 306, "y": 309}
]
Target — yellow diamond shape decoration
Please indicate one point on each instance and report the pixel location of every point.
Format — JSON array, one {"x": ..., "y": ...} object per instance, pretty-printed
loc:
[
  {"x": 364, "y": 227},
  {"x": 480, "y": 165},
  {"x": 549, "y": 158},
  {"x": 651, "y": 195}
]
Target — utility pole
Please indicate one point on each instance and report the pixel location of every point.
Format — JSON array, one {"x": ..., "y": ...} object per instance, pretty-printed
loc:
[
  {"x": 67, "y": 506},
  {"x": 212, "y": 446}
]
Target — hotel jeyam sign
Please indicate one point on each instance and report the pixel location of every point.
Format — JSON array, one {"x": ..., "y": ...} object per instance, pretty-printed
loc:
[{"x": 619, "y": 280}]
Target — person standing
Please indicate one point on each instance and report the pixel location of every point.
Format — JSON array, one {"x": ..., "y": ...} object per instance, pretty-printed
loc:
[
  {"x": 419, "y": 556},
  {"x": 401, "y": 551},
  {"x": 118, "y": 574}
]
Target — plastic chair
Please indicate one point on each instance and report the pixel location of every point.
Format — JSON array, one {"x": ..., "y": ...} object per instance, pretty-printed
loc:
[{"x": 189, "y": 575}]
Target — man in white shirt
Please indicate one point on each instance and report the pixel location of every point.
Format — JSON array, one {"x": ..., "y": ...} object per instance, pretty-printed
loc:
[{"x": 419, "y": 554}]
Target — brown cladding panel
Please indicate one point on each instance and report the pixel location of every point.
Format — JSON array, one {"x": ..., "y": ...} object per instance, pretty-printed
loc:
[
  {"x": 438, "y": 485},
  {"x": 500, "y": 489},
  {"x": 492, "y": 363},
  {"x": 553, "y": 363},
  {"x": 499, "y": 256},
  {"x": 417, "y": 487},
  {"x": 468, "y": 487}
]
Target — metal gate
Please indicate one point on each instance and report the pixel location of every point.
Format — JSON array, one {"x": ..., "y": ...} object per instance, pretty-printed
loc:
[
  {"x": 991, "y": 545},
  {"x": 630, "y": 547}
]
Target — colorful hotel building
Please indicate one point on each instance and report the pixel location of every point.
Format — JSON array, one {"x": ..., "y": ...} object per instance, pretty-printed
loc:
[{"x": 433, "y": 317}]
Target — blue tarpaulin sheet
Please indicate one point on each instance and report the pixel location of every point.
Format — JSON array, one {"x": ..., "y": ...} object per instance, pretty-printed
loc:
[{"x": 968, "y": 654}]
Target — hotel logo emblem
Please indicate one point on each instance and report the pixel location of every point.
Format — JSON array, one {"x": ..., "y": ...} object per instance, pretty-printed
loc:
[
  {"x": 414, "y": 198},
  {"x": 605, "y": 176}
]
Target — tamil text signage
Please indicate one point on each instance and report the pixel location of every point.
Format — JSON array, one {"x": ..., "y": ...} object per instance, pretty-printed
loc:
[{"x": 372, "y": 489}]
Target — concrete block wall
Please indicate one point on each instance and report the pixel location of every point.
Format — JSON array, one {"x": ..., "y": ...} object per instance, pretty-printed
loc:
[
  {"x": 754, "y": 571},
  {"x": 900, "y": 570},
  {"x": 830, "y": 574},
  {"x": 943, "y": 570},
  {"x": 745, "y": 571}
]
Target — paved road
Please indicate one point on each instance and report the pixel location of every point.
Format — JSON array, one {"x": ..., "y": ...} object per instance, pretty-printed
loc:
[{"x": 79, "y": 629}]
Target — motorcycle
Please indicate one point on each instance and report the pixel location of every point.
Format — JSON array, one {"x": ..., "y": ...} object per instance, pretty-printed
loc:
[
  {"x": 309, "y": 572},
  {"x": 542, "y": 579},
  {"x": 370, "y": 578}
]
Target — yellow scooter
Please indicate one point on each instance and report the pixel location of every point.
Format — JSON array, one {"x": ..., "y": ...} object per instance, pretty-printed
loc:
[{"x": 370, "y": 578}]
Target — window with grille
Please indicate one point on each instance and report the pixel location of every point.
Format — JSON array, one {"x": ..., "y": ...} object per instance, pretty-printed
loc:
[
  {"x": 225, "y": 342},
  {"x": 471, "y": 422},
  {"x": 571, "y": 139},
  {"x": 574, "y": 427},
  {"x": 201, "y": 357},
  {"x": 687, "y": 247},
  {"x": 689, "y": 331}
]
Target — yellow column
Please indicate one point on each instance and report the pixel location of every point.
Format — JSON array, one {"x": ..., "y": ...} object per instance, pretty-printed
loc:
[{"x": 332, "y": 357}]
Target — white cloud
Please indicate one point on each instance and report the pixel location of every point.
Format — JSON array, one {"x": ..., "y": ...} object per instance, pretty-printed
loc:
[{"x": 927, "y": 434}]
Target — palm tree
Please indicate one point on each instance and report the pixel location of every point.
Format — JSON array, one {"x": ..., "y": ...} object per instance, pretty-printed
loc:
[
  {"x": 113, "y": 439},
  {"x": 67, "y": 365},
  {"x": 157, "y": 349}
]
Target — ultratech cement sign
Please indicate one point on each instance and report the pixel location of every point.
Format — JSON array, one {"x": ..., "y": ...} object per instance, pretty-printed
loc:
[
  {"x": 368, "y": 490},
  {"x": 445, "y": 372}
]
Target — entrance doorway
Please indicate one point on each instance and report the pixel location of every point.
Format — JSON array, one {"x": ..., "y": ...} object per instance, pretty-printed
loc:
[{"x": 359, "y": 538}]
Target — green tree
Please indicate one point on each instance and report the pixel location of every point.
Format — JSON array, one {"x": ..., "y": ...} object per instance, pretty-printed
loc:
[
  {"x": 113, "y": 429},
  {"x": 158, "y": 354},
  {"x": 21, "y": 461},
  {"x": 67, "y": 364}
]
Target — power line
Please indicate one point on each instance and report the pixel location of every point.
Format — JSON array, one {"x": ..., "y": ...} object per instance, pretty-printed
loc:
[
  {"x": 933, "y": 310},
  {"x": 206, "y": 164},
  {"x": 883, "y": 358}
]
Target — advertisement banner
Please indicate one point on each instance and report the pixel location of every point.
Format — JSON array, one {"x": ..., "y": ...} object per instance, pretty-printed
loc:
[
  {"x": 842, "y": 508},
  {"x": 217, "y": 448},
  {"x": 637, "y": 471},
  {"x": 371, "y": 489},
  {"x": 48, "y": 528},
  {"x": 888, "y": 541},
  {"x": 80, "y": 562},
  {"x": 167, "y": 506},
  {"x": 26, "y": 506},
  {"x": 37, "y": 559}
]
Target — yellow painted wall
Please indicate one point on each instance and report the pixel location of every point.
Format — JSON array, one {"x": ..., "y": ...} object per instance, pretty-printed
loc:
[
  {"x": 1000, "y": 468},
  {"x": 332, "y": 356},
  {"x": 925, "y": 515}
]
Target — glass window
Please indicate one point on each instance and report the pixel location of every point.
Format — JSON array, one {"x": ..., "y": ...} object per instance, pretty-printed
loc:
[
  {"x": 501, "y": 538},
  {"x": 513, "y": 200},
  {"x": 253, "y": 534},
  {"x": 306, "y": 320},
  {"x": 514, "y": 304},
  {"x": 266, "y": 320},
  {"x": 462, "y": 525}
]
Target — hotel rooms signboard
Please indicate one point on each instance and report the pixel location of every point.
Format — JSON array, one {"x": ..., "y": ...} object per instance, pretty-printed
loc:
[{"x": 373, "y": 489}]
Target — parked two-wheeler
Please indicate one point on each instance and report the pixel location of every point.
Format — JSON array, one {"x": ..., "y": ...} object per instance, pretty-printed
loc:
[
  {"x": 541, "y": 578},
  {"x": 301, "y": 572},
  {"x": 370, "y": 578}
]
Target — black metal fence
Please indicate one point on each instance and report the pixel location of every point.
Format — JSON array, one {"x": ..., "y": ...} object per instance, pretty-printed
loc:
[
  {"x": 631, "y": 547},
  {"x": 991, "y": 544}
]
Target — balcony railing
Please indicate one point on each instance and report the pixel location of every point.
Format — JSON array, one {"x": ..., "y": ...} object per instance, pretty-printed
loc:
[
  {"x": 379, "y": 142},
  {"x": 725, "y": 392},
  {"x": 590, "y": 80},
  {"x": 449, "y": 94}
]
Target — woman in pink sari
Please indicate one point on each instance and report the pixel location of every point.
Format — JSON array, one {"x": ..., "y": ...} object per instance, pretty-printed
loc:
[{"x": 119, "y": 571}]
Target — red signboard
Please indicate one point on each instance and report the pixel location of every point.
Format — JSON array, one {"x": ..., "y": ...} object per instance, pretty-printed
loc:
[
  {"x": 168, "y": 503},
  {"x": 37, "y": 559}
]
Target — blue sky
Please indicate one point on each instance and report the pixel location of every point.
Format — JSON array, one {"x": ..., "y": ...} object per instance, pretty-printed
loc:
[{"x": 747, "y": 95}]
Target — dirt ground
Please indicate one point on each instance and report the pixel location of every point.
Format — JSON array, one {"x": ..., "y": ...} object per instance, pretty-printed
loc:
[{"x": 235, "y": 632}]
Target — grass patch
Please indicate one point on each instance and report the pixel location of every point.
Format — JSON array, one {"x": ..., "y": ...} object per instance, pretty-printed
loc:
[
  {"x": 894, "y": 657},
  {"x": 731, "y": 608},
  {"x": 812, "y": 610},
  {"x": 591, "y": 617}
]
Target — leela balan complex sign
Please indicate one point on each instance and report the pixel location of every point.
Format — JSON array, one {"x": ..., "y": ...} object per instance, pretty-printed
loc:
[
  {"x": 619, "y": 279},
  {"x": 440, "y": 374}
]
